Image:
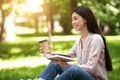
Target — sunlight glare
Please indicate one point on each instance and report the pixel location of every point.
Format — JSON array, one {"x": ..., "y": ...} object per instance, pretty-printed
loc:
[
  {"x": 9, "y": 26},
  {"x": 35, "y": 5},
  {"x": 27, "y": 62},
  {"x": 34, "y": 2},
  {"x": 15, "y": 50}
]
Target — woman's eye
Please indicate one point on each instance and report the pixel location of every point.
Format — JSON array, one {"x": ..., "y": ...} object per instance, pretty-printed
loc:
[{"x": 75, "y": 18}]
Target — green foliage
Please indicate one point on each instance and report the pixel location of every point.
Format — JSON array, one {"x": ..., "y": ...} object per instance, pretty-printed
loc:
[
  {"x": 51, "y": 7},
  {"x": 109, "y": 12},
  {"x": 5, "y": 7}
]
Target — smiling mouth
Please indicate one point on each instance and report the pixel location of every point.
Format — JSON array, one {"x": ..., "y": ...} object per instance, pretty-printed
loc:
[{"x": 75, "y": 26}]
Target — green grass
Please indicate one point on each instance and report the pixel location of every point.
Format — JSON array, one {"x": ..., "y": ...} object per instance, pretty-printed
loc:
[
  {"x": 22, "y": 73},
  {"x": 27, "y": 48},
  {"x": 114, "y": 46}
]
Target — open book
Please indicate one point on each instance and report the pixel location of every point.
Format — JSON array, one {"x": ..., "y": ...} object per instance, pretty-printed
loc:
[{"x": 56, "y": 57}]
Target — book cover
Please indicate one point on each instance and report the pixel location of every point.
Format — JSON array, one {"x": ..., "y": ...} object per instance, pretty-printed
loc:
[{"x": 56, "y": 57}]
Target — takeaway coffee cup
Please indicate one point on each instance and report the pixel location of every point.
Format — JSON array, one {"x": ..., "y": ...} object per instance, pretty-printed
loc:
[{"x": 45, "y": 46}]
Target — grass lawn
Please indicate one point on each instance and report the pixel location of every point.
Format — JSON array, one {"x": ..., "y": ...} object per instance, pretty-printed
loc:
[{"x": 20, "y": 60}]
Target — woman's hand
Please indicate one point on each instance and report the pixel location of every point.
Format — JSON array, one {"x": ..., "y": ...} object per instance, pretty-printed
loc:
[
  {"x": 62, "y": 63},
  {"x": 47, "y": 51}
]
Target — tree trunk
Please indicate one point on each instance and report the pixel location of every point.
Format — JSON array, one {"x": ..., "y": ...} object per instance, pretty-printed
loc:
[
  {"x": 49, "y": 19},
  {"x": 36, "y": 18},
  {"x": 52, "y": 23},
  {"x": 73, "y": 4},
  {"x": 2, "y": 25}
]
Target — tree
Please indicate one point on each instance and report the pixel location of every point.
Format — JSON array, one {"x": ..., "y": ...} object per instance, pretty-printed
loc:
[
  {"x": 65, "y": 12},
  {"x": 51, "y": 8},
  {"x": 5, "y": 9}
]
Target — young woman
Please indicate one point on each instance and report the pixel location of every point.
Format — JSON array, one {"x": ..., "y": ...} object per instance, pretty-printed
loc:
[{"x": 90, "y": 49}]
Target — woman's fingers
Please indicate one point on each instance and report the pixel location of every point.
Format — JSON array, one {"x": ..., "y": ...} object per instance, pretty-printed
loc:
[
  {"x": 41, "y": 50},
  {"x": 62, "y": 63}
]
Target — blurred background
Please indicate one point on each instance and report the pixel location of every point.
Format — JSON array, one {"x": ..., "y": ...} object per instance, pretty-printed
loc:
[{"x": 24, "y": 22}]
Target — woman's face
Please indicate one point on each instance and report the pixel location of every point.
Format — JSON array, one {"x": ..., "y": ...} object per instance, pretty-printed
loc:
[{"x": 78, "y": 22}]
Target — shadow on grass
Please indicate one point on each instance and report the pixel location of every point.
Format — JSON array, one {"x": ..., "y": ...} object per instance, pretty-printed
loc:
[
  {"x": 32, "y": 35},
  {"x": 23, "y": 73},
  {"x": 29, "y": 49},
  {"x": 39, "y": 34},
  {"x": 16, "y": 50}
]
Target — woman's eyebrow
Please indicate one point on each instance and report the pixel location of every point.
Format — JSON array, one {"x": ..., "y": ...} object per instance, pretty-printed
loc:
[{"x": 74, "y": 16}]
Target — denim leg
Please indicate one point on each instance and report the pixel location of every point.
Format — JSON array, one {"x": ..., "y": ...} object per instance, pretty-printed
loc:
[
  {"x": 75, "y": 73},
  {"x": 51, "y": 71}
]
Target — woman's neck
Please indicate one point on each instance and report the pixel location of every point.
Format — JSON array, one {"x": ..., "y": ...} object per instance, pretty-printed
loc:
[{"x": 85, "y": 33}]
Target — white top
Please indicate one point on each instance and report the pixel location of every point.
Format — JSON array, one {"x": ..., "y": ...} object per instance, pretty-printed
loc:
[{"x": 91, "y": 56}]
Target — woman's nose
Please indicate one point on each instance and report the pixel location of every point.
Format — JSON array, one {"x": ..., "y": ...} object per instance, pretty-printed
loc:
[{"x": 73, "y": 22}]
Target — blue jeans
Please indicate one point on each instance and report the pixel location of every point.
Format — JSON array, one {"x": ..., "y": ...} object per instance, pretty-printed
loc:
[{"x": 73, "y": 72}]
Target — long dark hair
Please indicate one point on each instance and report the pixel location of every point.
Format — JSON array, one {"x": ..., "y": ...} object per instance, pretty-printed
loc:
[{"x": 93, "y": 27}]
